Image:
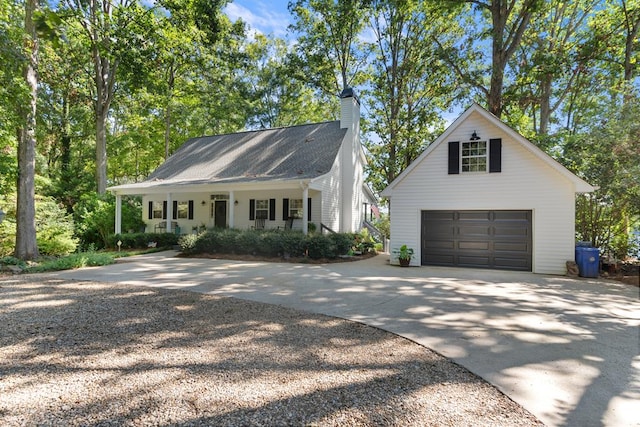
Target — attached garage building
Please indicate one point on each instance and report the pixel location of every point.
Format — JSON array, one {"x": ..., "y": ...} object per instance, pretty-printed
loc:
[{"x": 483, "y": 196}]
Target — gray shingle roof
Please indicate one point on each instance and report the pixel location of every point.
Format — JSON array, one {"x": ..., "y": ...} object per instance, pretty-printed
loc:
[{"x": 297, "y": 152}]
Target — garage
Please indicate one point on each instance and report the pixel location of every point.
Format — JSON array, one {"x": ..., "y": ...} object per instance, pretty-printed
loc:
[{"x": 498, "y": 239}]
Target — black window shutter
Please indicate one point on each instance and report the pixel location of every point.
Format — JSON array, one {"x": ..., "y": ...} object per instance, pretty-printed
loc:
[
  {"x": 285, "y": 209},
  {"x": 495, "y": 155},
  {"x": 164, "y": 209},
  {"x": 454, "y": 157},
  {"x": 272, "y": 209},
  {"x": 150, "y": 210},
  {"x": 252, "y": 209},
  {"x": 309, "y": 209},
  {"x": 174, "y": 214},
  {"x": 190, "y": 209}
]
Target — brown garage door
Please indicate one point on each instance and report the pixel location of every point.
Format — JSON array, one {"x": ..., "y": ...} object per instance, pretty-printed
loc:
[{"x": 479, "y": 239}]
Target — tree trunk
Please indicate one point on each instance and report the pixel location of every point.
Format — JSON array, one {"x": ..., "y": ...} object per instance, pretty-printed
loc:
[
  {"x": 26, "y": 244},
  {"x": 101, "y": 150},
  {"x": 104, "y": 77},
  {"x": 505, "y": 40},
  {"x": 545, "y": 104}
]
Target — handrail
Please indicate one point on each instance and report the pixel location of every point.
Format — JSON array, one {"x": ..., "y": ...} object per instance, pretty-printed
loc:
[
  {"x": 324, "y": 227},
  {"x": 373, "y": 230}
]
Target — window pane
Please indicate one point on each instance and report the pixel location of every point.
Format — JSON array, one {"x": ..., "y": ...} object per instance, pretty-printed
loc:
[
  {"x": 262, "y": 209},
  {"x": 157, "y": 210},
  {"x": 183, "y": 210},
  {"x": 295, "y": 208},
  {"x": 474, "y": 156}
]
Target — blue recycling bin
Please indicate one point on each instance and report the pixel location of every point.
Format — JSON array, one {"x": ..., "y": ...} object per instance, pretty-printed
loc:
[{"x": 588, "y": 260}]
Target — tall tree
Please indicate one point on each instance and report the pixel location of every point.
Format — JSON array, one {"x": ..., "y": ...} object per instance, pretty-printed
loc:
[
  {"x": 26, "y": 245},
  {"x": 551, "y": 59},
  {"x": 328, "y": 44},
  {"x": 411, "y": 86},
  {"x": 500, "y": 23},
  {"x": 278, "y": 100}
]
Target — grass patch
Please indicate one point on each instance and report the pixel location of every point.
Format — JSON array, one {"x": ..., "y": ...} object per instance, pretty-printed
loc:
[{"x": 69, "y": 262}]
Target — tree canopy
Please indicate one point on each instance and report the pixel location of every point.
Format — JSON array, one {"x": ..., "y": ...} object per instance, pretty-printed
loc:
[{"x": 122, "y": 83}]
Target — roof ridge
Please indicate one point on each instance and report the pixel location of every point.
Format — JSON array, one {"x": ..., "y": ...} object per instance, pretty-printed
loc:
[{"x": 264, "y": 130}]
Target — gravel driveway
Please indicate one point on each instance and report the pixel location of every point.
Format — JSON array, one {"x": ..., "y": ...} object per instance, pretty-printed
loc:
[{"x": 87, "y": 353}]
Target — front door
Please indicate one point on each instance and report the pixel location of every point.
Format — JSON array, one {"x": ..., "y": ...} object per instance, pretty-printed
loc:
[{"x": 220, "y": 214}]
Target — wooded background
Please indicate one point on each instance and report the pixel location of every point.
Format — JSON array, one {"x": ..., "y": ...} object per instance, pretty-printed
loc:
[{"x": 99, "y": 92}]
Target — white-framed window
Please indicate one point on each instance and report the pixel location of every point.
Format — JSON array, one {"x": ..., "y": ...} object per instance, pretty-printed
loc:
[
  {"x": 262, "y": 209},
  {"x": 474, "y": 156},
  {"x": 295, "y": 208},
  {"x": 182, "y": 210},
  {"x": 157, "y": 210}
]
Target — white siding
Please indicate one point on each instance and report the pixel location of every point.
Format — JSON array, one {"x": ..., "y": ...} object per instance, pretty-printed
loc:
[
  {"x": 331, "y": 186},
  {"x": 202, "y": 214},
  {"x": 525, "y": 183}
]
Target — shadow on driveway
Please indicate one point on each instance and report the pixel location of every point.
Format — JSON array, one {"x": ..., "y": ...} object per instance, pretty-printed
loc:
[{"x": 566, "y": 349}]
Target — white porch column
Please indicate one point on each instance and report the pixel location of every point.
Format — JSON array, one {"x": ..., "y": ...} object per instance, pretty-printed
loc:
[
  {"x": 232, "y": 205},
  {"x": 118, "y": 214},
  {"x": 305, "y": 209},
  {"x": 169, "y": 212}
]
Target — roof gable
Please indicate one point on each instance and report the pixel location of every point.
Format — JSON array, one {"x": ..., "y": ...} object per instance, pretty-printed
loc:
[
  {"x": 580, "y": 185},
  {"x": 304, "y": 151}
]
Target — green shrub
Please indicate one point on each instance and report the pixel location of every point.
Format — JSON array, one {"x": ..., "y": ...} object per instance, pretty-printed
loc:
[
  {"x": 270, "y": 244},
  {"x": 78, "y": 260},
  {"x": 343, "y": 242},
  {"x": 292, "y": 243},
  {"x": 207, "y": 242},
  {"x": 142, "y": 240},
  {"x": 95, "y": 216},
  {"x": 54, "y": 231},
  {"x": 319, "y": 246},
  {"x": 227, "y": 241},
  {"x": 188, "y": 243},
  {"x": 247, "y": 242},
  {"x": 9, "y": 260}
]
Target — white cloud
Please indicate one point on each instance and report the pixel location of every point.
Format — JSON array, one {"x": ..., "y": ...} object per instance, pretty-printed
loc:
[{"x": 261, "y": 17}]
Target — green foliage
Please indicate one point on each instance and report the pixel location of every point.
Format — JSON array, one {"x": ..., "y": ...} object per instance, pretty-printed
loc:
[
  {"x": 249, "y": 240},
  {"x": 95, "y": 216},
  {"x": 271, "y": 243},
  {"x": 188, "y": 243},
  {"x": 55, "y": 229},
  {"x": 403, "y": 253},
  {"x": 9, "y": 260},
  {"x": 319, "y": 246},
  {"x": 384, "y": 225},
  {"x": 78, "y": 260},
  {"x": 343, "y": 242},
  {"x": 142, "y": 240}
]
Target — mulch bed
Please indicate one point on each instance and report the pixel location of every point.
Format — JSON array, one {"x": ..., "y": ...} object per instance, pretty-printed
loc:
[{"x": 299, "y": 260}]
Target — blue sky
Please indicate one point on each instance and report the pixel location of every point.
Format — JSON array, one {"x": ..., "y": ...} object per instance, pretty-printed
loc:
[{"x": 264, "y": 16}]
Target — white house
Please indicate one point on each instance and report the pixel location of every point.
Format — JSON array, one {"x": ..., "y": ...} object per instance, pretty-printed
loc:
[
  {"x": 482, "y": 195},
  {"x": 273, "y": 178}
]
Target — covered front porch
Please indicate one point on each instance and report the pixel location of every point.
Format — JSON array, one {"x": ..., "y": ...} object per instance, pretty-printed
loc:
[{"x": 181, "y": 210}]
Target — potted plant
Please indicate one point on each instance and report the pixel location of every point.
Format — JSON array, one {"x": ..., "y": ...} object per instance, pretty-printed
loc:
[{"x": 404, "y": 255}]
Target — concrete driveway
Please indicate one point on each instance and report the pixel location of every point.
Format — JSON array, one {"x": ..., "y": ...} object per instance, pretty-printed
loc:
[{"x": 568, "y": 350}]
